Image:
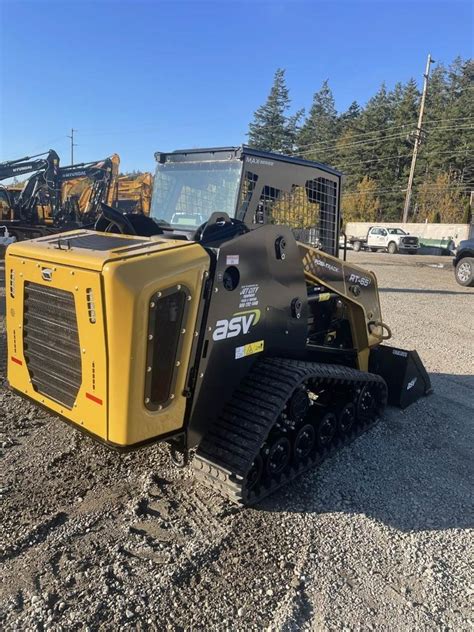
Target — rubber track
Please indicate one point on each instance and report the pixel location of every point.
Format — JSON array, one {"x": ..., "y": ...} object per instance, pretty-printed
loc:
[{"x": 227, "y": 452}]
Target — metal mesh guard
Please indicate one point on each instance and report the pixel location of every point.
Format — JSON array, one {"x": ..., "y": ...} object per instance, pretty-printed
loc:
[{"x": 51, "y": 343}]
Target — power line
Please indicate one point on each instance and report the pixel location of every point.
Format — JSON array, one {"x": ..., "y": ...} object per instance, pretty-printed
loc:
[
  {"x": 391, "y": 127},
  {"x": 361, "y": 143},
  {"x": 433, "y": 187},
  {"x": 383, "y": 138},
  {"x": 393, "y": 158}
]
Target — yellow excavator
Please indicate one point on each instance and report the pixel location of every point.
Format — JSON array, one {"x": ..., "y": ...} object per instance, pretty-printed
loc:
[
  {"x": 85, "y": 186},
  {"x": 134, "y": 193},
  {"x": 54, "y": 198},
  {"x": 248, "y": 345}
]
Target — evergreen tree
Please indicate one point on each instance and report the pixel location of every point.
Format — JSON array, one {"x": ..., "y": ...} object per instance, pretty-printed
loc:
[
  {"x": 272, "y": 129},
  {"x": 348, "y": 119},
  {"x": 317, "y": 137},
  {"x": 373, "y": 145}
]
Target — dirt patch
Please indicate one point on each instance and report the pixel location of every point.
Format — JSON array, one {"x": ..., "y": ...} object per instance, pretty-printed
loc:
[{"x": 377, "y": 538}]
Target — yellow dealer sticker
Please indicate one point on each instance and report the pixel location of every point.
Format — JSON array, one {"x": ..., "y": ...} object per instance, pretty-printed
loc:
[{"x": 250, "y": 349}]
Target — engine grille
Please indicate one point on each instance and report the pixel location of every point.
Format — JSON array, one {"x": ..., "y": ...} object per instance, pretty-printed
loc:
[
  {"x": 51, "y": 343},
  {"x": 410, "y": 240}
]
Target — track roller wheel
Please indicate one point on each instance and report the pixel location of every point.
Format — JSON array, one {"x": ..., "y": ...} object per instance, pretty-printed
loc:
[
  {"x": 286, "y": 417},
  {"x": 304, "y": 442},
  {"x": 346, "y": 419},
  {"x": 278, "y": 456},
  {"x": 298, "y": 405},
  {"x": 326, "y": 428},
  {"x": 366, "y": 404}
]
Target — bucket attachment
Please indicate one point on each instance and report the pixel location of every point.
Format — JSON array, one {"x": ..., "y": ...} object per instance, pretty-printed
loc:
[{"x": 406, "y": 377}]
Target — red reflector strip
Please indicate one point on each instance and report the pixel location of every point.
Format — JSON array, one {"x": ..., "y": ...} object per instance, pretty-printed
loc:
[
  {"x": 93, "y": 398},
  {"x": 16, "y": 361}
]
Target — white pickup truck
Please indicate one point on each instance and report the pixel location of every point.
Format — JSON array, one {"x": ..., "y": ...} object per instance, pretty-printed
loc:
[{"x": 390, "y": 239}]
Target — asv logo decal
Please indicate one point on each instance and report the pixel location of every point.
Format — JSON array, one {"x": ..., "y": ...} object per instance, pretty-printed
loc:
[
  {"x": 240, "y": 323},
  {"x": 411, "y": 384}
]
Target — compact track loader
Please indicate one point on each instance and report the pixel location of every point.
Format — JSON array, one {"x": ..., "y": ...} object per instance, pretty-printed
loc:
[{"x": 209, "y": 325}]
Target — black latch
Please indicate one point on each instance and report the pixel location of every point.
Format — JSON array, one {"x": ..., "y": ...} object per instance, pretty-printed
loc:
[
  {"x": 280, "y": 247},
  {"x": 296, "y": 307}
]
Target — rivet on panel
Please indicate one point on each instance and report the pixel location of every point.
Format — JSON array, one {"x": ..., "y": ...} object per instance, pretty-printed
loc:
[
  {"x": 183, "y": 331},
  {"x": 201, "y": 375},
  {"x": 160, "y": 407},
  {"x": 158, "y": 294},
  {"x": 150, "y": 336},
  {"x": 178, "y": 363},
  {"x": 147, "y": 400},
  {"x": 148, "y": 369},
  {"x": 178, "y": 287},
  {"x": 190, "y": 298},
  {"x": 172, "y": 396},
  {"x": 152, "y": 305}
]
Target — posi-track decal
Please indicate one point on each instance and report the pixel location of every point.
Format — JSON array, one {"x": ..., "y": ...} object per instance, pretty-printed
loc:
[{"x": 323, "y": 269}]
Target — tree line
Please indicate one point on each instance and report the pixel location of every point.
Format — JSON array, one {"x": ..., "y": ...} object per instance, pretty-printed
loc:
[{"x": 373, "y": 144}]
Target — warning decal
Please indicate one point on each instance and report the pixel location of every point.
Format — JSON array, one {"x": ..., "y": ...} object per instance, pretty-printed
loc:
[{"x": 250, "y": 349}]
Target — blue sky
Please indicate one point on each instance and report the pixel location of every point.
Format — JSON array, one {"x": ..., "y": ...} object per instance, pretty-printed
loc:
[{"x": 135, "y": 77}]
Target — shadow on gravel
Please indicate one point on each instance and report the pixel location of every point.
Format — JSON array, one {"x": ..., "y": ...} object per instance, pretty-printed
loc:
[
  {"x": 405, "y": 290},
  {"x": 414, "y": 471}
]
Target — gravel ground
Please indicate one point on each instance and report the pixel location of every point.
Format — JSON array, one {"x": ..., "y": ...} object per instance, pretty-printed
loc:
[{"x": 377, "y": 538}]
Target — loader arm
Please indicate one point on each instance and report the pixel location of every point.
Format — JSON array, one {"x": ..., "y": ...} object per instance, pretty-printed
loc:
[{"x": 358, "y": 287}]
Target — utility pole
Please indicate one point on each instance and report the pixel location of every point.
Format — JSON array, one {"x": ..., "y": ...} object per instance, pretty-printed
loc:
[
  {"x": 417, "y": 139},
  {"x": 73, "y": 144}
]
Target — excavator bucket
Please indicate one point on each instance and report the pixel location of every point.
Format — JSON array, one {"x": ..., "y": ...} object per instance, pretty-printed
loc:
[{"x": 404, "y": 373}]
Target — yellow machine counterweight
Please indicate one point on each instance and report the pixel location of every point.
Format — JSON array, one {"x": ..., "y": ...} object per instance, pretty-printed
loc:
[{"x": 78, "y": 328}]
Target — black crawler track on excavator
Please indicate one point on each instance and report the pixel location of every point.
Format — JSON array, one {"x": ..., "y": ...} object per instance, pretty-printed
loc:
[{"x": 259, "y": 416}]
